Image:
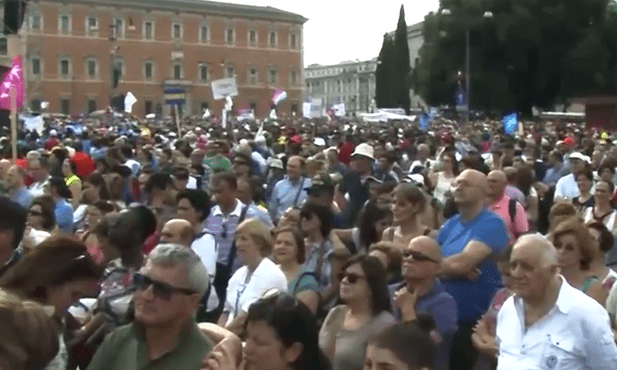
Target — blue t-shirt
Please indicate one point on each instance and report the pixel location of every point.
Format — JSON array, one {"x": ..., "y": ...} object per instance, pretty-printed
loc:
[
  {"x": 64, "y": 216},
  {"x": 473, "y": 297}
]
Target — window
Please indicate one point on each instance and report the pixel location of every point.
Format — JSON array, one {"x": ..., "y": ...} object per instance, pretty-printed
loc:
[
  {"x": 177, "y": 71},
  {"x": 148, "y": 30},
  {"x": 148, "y": 107},
  {"x": 148, "y": 70},
  {"x": 272, "y": 76},
  {"x": 229, "y": 71},
  {"x": 35, "y": 66},
  {"x": 119, "y": 28},
  {"x": 64, "y": 23},
  {"x": 229, "y": 36},
  {"x": 91, "y": 68},
  {"x": 92, "y": 26},
  {"x": 177, "y": 31},
  {"x": 91, "y": 105},
  {"x": 120, "y": 67},
  {"x": 272, "y": 40},
  {"x": 292, "y": 41},
  {"x": 253, "y": 76},
  {"x": 203, "y": 36},
  {"x": 252, "y": 37},
  {"x": 35, "y": 22},
  {"x": 65, "y": 106},
  {"x": 35, "y": 105},
  {"x": 253, "y": 107},
  {"x": 203, "y": 72},
  {"x": 65, "y": 67},
  {"x": 294, "y": 78}
]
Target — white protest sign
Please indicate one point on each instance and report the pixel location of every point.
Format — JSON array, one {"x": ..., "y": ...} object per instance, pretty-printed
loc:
[
  {"x": 339, "y": 110},
  {"x": 306, "y": 110},
  {"x": 224, "y": 87},
  {"x": 129, "y": 101},
  {"x": 316, "y": 108}
]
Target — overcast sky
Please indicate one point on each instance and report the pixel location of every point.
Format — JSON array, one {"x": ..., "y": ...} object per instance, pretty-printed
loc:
[{"x": 339, "y": 30}]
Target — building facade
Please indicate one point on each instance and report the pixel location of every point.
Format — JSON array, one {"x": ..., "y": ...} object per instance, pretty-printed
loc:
[
  {"x": 72, "y": 46},
  {"x": 352, "y": 83},
  {"x": 415, "y": 40}
]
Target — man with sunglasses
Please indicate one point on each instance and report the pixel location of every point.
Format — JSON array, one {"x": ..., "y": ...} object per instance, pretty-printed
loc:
[
  {"x": 422, "y": 292},
  {"x": 164, "y": 334}
]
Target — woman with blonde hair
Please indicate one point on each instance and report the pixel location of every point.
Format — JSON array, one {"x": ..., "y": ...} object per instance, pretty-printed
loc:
[
  {"x": 28, "y": 334},
  {"x": 253, "y": 242}
]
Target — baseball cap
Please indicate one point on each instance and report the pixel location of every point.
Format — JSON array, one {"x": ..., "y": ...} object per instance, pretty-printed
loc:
[
  {"x": 580, "y": 156},
  {"x": 320, "y": 182}
]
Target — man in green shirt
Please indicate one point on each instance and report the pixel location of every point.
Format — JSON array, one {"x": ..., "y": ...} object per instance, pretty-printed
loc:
[{"x": 169, "y": 288}]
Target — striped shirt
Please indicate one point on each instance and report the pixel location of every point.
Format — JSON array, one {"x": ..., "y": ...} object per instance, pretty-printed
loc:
[{"x": 223, "y": 228}]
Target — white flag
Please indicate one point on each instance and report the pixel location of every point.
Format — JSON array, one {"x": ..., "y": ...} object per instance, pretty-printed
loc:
[{"x": 129, "y": 100}]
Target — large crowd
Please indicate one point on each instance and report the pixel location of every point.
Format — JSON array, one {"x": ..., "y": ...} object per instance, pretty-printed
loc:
[{"x": 300, "y": 244}]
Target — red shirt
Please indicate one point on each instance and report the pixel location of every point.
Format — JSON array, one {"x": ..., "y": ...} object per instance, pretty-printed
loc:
[{"x": 344, "y": 154}]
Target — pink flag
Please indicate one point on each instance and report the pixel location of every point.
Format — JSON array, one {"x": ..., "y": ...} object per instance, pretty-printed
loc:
[
  {"x": 278, "y": 96},
  {"x": 14, "y": 79}
]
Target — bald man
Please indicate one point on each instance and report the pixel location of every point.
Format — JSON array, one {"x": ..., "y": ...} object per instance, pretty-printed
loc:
[
  {"x": 177, "y": 231},
  {"x": 468, "y": 242},
  {"x": 16, "y": 186},
  {"x": 509, "y": 210},
  {"x": 548, "y": 324},
  {"x": 422, "y": 292}
]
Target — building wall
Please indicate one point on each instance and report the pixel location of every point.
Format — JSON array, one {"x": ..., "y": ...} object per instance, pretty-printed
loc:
[
  {"x": 352, "y": 83},
  {"x": 132, "y": 50}
]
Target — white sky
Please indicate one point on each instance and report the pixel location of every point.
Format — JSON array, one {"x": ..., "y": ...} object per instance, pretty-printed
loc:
[{"x": 339, "y": 30}]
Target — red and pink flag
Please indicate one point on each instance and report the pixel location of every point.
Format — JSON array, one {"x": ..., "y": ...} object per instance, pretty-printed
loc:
[{"x": 13, "y": 80}]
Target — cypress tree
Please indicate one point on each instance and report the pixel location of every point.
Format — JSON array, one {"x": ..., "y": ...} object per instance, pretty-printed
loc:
[{"x": 401, "y": 65}]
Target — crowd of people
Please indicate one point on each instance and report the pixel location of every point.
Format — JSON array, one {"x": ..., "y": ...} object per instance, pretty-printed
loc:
[{"x": 309, "y": 245}]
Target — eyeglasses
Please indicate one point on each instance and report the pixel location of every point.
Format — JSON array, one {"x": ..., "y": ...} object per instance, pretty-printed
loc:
[
  {"x": 417, "y": 256},
  {"x": 162, "y": 290},
  {"x": 351, "y": 277},
  {"x": 35, "y": 213}
]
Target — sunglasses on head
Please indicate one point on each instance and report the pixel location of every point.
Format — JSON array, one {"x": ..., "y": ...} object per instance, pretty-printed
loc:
[
  {"x": 417, "y": 256},
  {"x": 161, "y": 290},
  {"x": 351, "y": 277}
]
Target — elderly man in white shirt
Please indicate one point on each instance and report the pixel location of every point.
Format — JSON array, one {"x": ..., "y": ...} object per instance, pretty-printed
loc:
[{"x": 548, "y": 324}]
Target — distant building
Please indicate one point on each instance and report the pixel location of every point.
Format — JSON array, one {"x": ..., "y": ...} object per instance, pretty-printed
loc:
[
  {"x": 352, "y": 83},
  {"x": 415, "y": 40},
  {"x": 70, "y": 46}
]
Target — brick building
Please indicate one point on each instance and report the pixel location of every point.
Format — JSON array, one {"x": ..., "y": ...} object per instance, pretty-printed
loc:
[{"x": 71, "y": 46}]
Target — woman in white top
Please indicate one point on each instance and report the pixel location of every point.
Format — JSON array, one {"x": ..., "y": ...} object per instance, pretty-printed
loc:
[
  {"x": 603, "y": 210},
  {"x": 253, "y": 243},
  {"x": 442, "y": 181}
]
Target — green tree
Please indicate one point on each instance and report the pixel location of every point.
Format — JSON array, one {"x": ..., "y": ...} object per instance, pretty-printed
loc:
[
  {"x": 531, "y": 53},
  {"x": 402, "y": 66},
  {"x": 384, "y": 74}
]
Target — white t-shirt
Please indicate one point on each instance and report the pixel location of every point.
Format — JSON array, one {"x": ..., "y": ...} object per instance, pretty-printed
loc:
[
  {"x": 205, "y": 247},
  {"x": 244, "y": 290},
  {"x": 567, "y": 188}
]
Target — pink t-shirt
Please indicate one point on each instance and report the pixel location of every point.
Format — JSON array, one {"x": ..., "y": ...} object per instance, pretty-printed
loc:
[{"x": 520, "y": 224}]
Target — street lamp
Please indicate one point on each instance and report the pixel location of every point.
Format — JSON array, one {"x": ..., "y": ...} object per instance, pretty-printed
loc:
[{"x": 487, "y": 15}]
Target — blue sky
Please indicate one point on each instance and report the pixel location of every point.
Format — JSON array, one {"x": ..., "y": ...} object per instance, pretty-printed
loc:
[{"x": 340, "y": 30}]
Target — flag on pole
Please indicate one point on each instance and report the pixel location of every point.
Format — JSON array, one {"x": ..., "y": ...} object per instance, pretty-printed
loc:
[
  {"x": 510, "y": 123},
  {"x": 14, "y": 79},
  {"x": 278, "y": 96}
]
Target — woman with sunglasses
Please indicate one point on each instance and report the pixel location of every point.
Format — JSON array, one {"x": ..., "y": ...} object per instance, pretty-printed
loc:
[
  {"x": 57, "y": 273},
  {"x": 348, "y": 327},
  {"x": 408, "y": 207},
  {"x": 253, "y": 243},
  {"x": 289, "y": 254},
  {"x": 281, "y": 335}
]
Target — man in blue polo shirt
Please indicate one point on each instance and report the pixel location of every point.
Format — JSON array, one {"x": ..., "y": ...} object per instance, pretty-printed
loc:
[{"x": 468, "y": 241}]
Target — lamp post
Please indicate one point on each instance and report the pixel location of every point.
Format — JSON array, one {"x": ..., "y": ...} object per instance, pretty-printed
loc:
[{"x": 487, "y": 15}]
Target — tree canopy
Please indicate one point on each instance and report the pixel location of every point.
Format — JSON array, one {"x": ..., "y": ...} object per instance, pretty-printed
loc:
[{"x": 530, "y": 53}]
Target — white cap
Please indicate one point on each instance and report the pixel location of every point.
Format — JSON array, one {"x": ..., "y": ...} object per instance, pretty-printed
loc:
[
  {"x": 53, "y": 133},
  {"x": 580, "y": 156},
  {"x": 364, "y": 150}
]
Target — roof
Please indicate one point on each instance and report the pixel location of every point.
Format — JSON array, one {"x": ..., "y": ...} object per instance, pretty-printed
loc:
[
  {"x": 414, "y": 28},
  {"x": 201, "y": 6}
]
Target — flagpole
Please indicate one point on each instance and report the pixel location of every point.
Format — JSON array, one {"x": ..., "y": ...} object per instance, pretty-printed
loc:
[{"x": 13, "y": 113}]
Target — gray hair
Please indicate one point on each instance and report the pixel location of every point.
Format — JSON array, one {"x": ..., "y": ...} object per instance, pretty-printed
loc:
[
  {"x": 174, "y": 255},
  {"x": 549, "y": 253}
]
